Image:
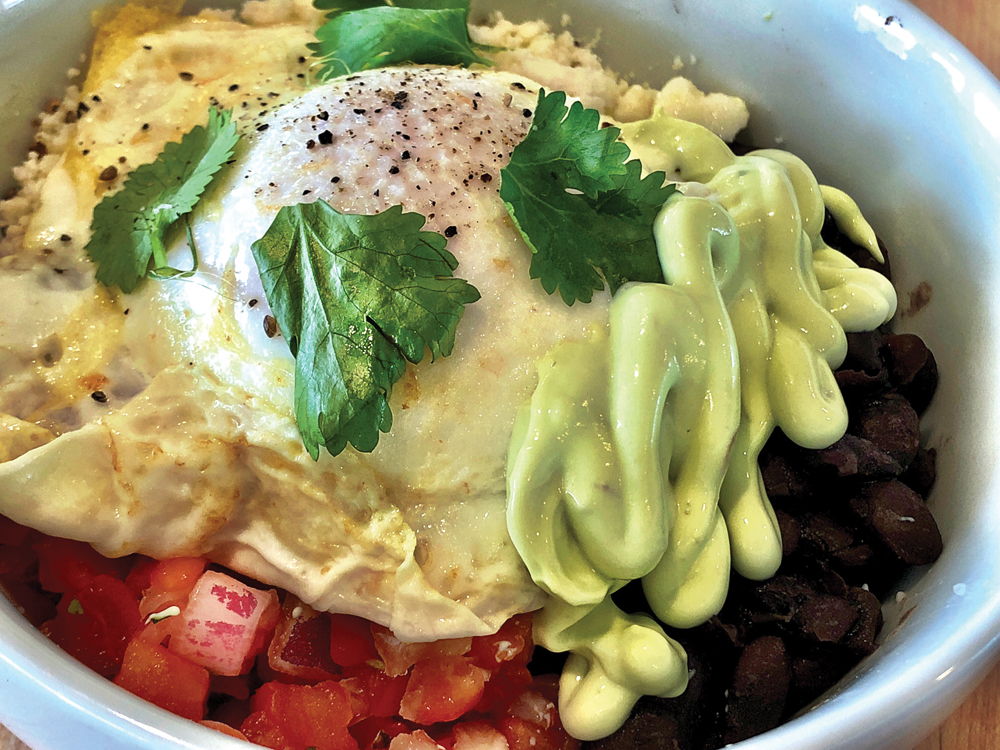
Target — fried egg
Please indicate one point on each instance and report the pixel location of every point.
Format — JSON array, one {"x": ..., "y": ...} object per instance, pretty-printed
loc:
[{"x": 161, "y": 422}]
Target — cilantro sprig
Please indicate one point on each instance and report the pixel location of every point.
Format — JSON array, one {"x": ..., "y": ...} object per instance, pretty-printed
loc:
[
  {"x": 129, "y": 226},
  {"x": 367, "y": 34},
  {"x": 583, "y": 208},
  {"x": 356, "y": 297}
]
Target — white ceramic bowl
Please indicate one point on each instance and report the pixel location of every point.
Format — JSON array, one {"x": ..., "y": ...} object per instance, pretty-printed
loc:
[{"x": 880, "y": 102}]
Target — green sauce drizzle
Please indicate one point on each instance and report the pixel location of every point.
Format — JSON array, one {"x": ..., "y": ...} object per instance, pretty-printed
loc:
[{"x": 636, "y": 457}]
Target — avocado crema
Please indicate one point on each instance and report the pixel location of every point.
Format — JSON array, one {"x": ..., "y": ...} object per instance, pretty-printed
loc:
[{"x": 636, "y": 457}]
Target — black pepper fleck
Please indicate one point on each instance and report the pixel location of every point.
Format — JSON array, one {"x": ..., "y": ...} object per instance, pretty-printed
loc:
[
  {"x": 451, "y": 231},
  {"x": 185, "y": 76},
  {"x": 252, "y": 303},
  {"x": 109, "y": 174},
  {"x": 326, "y": 137},
  {"x": 270, "y": 326},
  {"x": 526, "y": 112},
  {"x": 100, "y": 397},
  {"x": 335, "y": 180},
  {"x": 310, "y": 143},
  {"x": 393, "y": 169},
  {"x": 64, "y": 238}
]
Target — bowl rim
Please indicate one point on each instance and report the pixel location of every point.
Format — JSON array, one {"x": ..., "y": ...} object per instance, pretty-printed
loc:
[{"x": 35, "y": 666}]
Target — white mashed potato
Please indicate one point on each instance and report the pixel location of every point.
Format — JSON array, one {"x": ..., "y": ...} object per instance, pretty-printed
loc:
[{"x": 161, "y": 422}]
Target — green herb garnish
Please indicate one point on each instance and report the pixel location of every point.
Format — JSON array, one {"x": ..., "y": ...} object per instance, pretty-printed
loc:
[
  {"x": 582, "y": 207},
  {"x": 367, "y": 34},
  {"x": 356, "y": 297},
  {"x": 74, "y": 607},
  {"x": 129, "y": 226}
]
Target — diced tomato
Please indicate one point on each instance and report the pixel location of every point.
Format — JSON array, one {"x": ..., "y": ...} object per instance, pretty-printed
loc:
[
  {"x": 218, "y": 726},
  {"x": 218, "y": 626},
  {"x": 351, "y": 640},
  {"x": 398, "y": 656},
  {"x": 68, "y": 565},
  {"x": 535, "y": 708},
  {"x": 380, "y": 729},
  {"x": 512, "y": 644},
  {"x": 294, "y": 717},
  {"x": 502, "y": 689},
  {"x": 138, "y": 578},
  {"x": 477, "y": 735},
  {"x": 373, "y": 692},
  {"x": 171, "y": 583},
  {"x": 36, "y": 605},
  {"x": 12, "y": 533},
  {"x": 301, "y": 643},
  {"x": 533, "y": 721},
  {"x": 170, "y": 681},
  {"x": 442, "y": 689},
  {"x": 17, "y": 563},
  {"x": 94, "y": 624},
  {"x": 523, "y": 735},
  {"x": 418, "y": 740}
]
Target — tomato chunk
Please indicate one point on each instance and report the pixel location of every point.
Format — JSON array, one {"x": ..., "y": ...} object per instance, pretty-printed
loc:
[
  {"x": 418, "y": 740},
  {"x": 171, "y": 583},
  {"x": 301, "y": 644},
  {"x": 94, "y": 624},
  {"x": 12, "y": 533},
  {"x": 442, "y": 689},
  {"x": 512, "y": 644},
  {"x": 351, "y": 640},
  {"x": 478, "y": 735},
  {"x": 375, "y": 693},
  {"x": 294, "y": 717},
  {"x": 378, "y": 731},
  {"x": 170, "y": 681},
  {"x": 68, "y": 565},
  {"x": 399, "y": 656}
]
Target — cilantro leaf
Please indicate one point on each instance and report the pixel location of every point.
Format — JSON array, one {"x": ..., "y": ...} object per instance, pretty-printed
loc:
[
  {"x": 582, "y": 207},
  {"x": 356, "y": 297},
  {"x": 129, "y": 226},
  {"x": 366, "y": 34},
  {"x": 344, "y": 6}
]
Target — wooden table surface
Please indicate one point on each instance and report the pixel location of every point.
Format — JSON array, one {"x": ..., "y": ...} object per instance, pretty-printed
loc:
[{"x": 975, "y": 725}]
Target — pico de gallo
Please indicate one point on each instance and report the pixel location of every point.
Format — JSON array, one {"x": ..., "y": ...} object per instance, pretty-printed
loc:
[{"x": 260, "y": 665}]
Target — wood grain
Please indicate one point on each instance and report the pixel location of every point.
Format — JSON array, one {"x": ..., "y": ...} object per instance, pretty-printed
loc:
[{"x": 975, "y": 725}]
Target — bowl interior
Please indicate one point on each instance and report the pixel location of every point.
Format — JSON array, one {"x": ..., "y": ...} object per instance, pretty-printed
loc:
[{"x": 880, "y": 103}]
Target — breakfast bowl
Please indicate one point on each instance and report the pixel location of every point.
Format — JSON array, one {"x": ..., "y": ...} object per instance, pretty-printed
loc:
[{"x": 880, "y": 103}]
